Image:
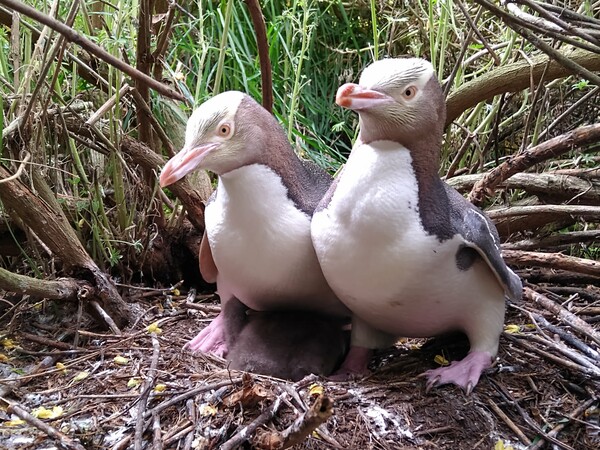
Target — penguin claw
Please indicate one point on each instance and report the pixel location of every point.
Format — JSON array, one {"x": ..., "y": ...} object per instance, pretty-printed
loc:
[{"x": 464, "y": 373}]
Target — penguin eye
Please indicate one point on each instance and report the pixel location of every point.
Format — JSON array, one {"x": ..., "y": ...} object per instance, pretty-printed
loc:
[
  {"x": 409, "y": 92},
  {"x": 224, "y": 130}
]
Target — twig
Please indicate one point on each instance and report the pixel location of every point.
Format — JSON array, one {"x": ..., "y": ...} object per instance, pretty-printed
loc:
[
  {"x": 143, "y": 402},
  {"x": 567, "y": 317},
  {"x": 22, "y": 165},
  {"x": 73, "y": 36},
  {"x": 303, "y": 426},
  {"x": 157, "y": 440},
  {"x": 107, "y": 319},
  {"x": 63, "y": 440},
  {"x": 527, "y": 417},
  {"x": 558, "y": 428},
  {"x": 191, "y": 393},
  {"x": 246, "y": 432},
  {"x": 522, "y": 437}
]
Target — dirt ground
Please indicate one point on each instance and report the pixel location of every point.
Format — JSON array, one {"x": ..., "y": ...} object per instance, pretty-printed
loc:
[{"x": 141, "y": 390}]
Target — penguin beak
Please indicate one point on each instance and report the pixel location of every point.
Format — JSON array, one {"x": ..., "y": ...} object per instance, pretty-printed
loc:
[
  {"x": 187, "y": 160},
  {"x": 356, "y": 97}
]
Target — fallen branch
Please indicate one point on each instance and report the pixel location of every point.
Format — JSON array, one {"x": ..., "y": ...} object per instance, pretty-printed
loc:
[
  {"x": 556, "y": 186},
  {"x": 246, "y": 432},
  {"x": 61, "y": 289},
  {"x": 541, "y": 152},
  {"x": 586, "y": 212},
  {"x": 143, "y": 401},
  {"x": 554, "y": 260},
  {"x": 561, "y": 313}
]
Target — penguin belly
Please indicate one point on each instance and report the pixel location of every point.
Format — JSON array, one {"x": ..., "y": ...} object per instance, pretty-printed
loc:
[
  {"x": 381, "y": 262},
  {"x": 261, "y": 244}
]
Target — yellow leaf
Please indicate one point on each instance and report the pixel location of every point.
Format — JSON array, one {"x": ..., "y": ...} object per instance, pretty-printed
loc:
[
  {"x": 134, "y": 382},
  {"x": 315, "y": 389},
  {"x": 4, "y": 358},
  {"x": 512, "y": 329},
  {"x": 176, "y": 291},
  {"x": 153, "y": 328},
  {"x": 60, "y": 366},
  {"x": 441, "y": 360},
  {"x": 8, "y": 343},
  {"x": 121, "y": 360},
  {"x": 160, "y": 388},
  {"x": 207, "y": 410},
  {"x": 14, "y": 423},
  {"x": 81, "y": 376},
  {"x": 43, "y": 413}
]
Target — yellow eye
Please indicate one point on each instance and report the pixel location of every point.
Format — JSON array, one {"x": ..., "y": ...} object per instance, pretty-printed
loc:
[
  {"x": 409, "y": 92},
  {"x": 224, "y": 130}
]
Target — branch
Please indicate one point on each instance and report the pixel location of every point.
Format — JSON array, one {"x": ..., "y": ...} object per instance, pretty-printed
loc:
[
  {"x": 73, "y": 36},
  {"x": 263, "y": 53},
  {"x": 554, "y": 260},
  {"x": 514, "y": 78},
  {"x": 61, "y": 289},
  {"x": 550, "y": 149}
]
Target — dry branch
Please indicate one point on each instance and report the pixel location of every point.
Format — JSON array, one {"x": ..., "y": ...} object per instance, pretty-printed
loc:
[
  {"x": 514, "y": 78},
  {"x": 587, "y": 212},
  {"x": 61, "y": 289},
  {"x": 542, "y": 152},
  {"x": 72, "y": 36},
  {"x": 554, "y": 260},
  {"x": 246, "y": 432},
  {"x": 303, "y": 426}
]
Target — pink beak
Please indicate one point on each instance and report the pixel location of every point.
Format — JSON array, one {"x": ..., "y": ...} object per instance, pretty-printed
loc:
[
  {"x": 187, "y": 160},
  {"x": 354, "y": 96}
]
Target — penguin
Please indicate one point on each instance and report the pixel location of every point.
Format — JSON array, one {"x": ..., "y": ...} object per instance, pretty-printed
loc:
[
  {"x": 283, "y": 344},
  {"x": 257, "y": 245},
  {"x": 405, "y": 252}
]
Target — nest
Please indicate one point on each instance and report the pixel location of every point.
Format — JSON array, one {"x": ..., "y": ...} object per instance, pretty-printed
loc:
[{"x": 141, "y": 390}]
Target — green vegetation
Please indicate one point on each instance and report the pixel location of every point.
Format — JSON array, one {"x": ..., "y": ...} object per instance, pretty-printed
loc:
[{"x": 315, "y": 46}]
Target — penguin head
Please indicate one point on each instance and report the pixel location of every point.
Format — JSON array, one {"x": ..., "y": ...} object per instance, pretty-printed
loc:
[
  {"x": 224, "y": 133},
  {"x": 397, "y": 99}
]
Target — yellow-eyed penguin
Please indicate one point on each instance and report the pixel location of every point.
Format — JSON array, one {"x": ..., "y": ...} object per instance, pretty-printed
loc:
[
  {"x": 406, "y": 253},
  {"x": 257, "y": 245}
]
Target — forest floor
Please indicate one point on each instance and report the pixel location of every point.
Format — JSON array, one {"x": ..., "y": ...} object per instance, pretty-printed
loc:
[{"x": 141, "y": 390}]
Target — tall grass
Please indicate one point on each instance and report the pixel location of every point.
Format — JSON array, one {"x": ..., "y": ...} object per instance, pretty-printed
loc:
[{"x": 315, "y": 46}]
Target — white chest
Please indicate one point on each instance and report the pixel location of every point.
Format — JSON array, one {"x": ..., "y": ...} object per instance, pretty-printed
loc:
[
  {"x": 261, "y": 242},
  {"x": 378, "y": 258}
]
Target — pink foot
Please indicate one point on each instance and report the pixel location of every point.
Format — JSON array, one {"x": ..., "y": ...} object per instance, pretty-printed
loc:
[
  {"x": 354, "y": 366},
  {"x": 464, "y": 373},
  {"x": 210, "y": 340}
]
